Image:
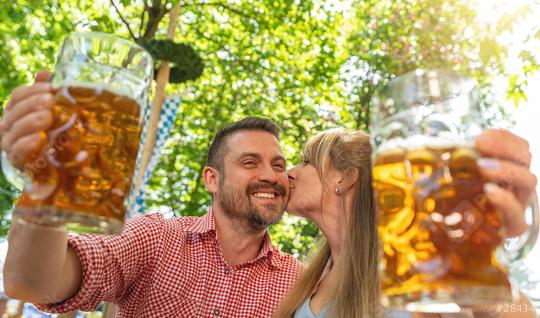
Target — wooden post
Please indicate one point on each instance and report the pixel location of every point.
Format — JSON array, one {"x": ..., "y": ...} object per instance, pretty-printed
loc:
[{"x": 162, "y": 79}]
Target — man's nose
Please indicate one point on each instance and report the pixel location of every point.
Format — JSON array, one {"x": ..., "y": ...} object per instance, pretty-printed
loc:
[{"x": 268, "y": 174}]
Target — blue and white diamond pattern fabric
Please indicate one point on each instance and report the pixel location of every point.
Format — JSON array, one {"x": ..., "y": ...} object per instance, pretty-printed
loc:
[
  {"x": 131, "y": 198},
  {"x": 166, "y": 123}
]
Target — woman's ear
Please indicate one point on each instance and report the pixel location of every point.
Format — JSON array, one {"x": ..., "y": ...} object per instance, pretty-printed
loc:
[
  {"x": 349, "y": 178},
  {"x": 342, "y": 181}
]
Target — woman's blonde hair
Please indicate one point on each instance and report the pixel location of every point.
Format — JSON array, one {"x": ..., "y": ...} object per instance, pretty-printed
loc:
[{"x": 355, "y": 292}]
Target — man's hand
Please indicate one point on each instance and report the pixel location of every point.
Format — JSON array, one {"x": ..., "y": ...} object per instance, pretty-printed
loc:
[
  {"x": 27, "y": 115},
  {"x": 39, "y": 267}
]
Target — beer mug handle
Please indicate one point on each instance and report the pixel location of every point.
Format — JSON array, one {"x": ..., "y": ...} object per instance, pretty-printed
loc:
[
  {"x": 12, "y": 174},
  {"x": 518, "y": 247}
]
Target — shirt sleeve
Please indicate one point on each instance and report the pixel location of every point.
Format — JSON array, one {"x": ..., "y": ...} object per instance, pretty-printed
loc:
[{"x": 111, "y": 263}]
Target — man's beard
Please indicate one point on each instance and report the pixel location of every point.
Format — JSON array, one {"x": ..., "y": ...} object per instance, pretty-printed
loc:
[{"x": 237, "y": 205}]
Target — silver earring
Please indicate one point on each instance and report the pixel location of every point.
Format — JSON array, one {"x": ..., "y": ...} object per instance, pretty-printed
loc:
[{"x": 338, "y": 190}]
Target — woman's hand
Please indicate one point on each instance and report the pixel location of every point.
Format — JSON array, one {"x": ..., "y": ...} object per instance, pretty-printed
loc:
[{"x": 505, "y": 164}]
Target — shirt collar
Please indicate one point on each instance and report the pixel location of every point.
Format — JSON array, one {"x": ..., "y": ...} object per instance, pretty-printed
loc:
[
  {"x": 269, "y": 252},
  {"x": 204, "y": 224}
]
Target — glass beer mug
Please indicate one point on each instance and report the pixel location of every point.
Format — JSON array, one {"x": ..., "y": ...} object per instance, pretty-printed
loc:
[
  {"x": 84, "y": 173},
  {"x": 441, "y": 239}
]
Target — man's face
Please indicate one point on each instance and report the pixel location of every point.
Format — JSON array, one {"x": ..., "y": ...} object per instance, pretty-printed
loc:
[{"x": 253, "y": 185}]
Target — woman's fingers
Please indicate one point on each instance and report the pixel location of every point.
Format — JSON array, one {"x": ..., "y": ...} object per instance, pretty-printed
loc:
[
  {"x": 509, "y": 175},
  {"x": 509, "y": 188},
  {"x": 509, "y": 180},
  {"x": 503, "y": 144},
  {"x": 511, "y": 207}
]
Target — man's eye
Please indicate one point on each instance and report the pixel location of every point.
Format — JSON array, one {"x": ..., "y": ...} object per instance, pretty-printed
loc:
[
  {"x": 249, "y": 163},
  {"x": 279, "y": 166}
]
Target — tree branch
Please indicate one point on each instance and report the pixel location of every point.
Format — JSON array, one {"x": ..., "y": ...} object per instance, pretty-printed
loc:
[
  {"x": 123, "y": 20},
  {"x": 143, "y": 15},
  {"x": 155, "y": 13},
  {"x": 227, "y": 7}
]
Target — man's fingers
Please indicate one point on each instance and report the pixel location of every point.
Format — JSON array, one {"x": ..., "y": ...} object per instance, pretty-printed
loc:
[
  {"x": 512, "y": 209},
  {"x": 43, "y": 76},
  {"x": 30, "y": 124},
  {"x": 504, "y": 145},
  {"x": 507, "y": 173},
  {"x": 23, "y": 92},
  {"x": 31, "y": 104},
  {"x": 25, "y": 149}
]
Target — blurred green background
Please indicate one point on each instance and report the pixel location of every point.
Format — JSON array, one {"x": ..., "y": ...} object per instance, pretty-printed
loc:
[{"x": 309, "y": 65}]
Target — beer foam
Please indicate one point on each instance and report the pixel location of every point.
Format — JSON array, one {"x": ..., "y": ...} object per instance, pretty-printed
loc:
[
  {"x": 118, "y": 81},
  {"x": 421, "y": 141},
  {"x": 99, "y": 88}
]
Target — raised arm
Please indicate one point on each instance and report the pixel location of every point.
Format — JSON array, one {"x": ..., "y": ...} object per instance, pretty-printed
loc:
[{"x": 39, "y": 266}]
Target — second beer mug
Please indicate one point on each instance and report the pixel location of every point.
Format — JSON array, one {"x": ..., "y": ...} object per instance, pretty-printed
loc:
[
  {"x": 441, "y": 238},
  {"x": 83, "y": 174}
]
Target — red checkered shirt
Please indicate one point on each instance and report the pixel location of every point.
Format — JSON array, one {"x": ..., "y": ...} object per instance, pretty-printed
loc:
[{"x": 174, "y": 268}]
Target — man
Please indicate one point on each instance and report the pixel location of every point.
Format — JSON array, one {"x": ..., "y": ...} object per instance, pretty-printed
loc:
[{"x": 222, "y": 264}]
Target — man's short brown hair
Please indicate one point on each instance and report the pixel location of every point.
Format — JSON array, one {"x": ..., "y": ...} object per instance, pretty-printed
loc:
[{"x": 218, "y": 148}]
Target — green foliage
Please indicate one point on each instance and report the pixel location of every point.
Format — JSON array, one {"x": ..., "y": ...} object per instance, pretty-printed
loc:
[
  {"x": 405, "y": 35},
  {"x": 309, "y": 65},
  {"x": 296, "y": 236}
]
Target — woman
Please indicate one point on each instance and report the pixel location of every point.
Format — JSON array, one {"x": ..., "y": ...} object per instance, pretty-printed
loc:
[{"x": 332, "y": 187}]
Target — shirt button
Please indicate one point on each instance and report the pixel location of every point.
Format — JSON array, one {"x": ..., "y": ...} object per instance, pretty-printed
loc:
[
  {"x": 227, "y": 271},
  {"x": 217, "y": 313}
]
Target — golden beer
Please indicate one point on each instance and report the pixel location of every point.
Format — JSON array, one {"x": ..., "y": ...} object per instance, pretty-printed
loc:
[
  {"x": 81, "y": 175},
  {"x": 438, "y": 230},
  {"x": 87, "y": 164}
]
